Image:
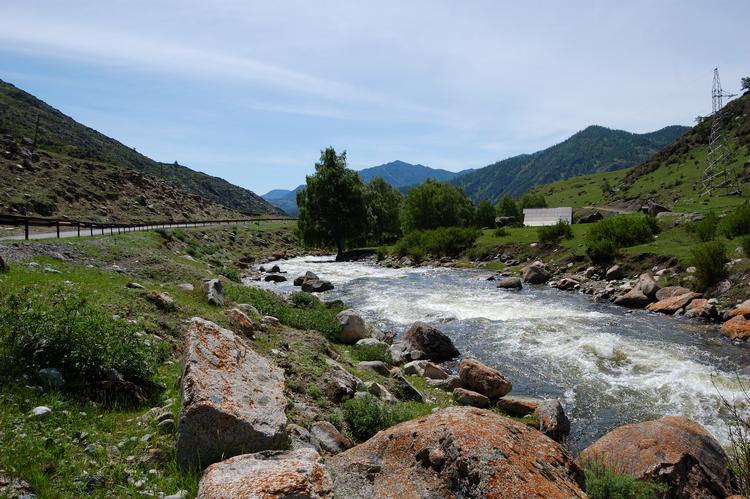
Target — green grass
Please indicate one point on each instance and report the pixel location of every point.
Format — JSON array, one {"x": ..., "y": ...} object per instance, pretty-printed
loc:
[{"x": 603, "y": 483}]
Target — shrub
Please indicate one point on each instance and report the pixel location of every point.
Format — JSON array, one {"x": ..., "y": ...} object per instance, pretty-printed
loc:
[
  {"x": 708, "y": 259},
  {"x": 372, "y": 352},
  {"x": 552, "y": 233},
  {"x": 500, "y": 232},
  {"x": 745, "y": 243},
  {"x": 737, "y": 223},
  {"x": 230, "y": 273},
  {"x": 705, "y": 230},
  {"x": 603, "y": 483},
  {"x": 444, "y": 241},
  {"x": 603, "y": 251},
  {"x": 80, "y": 340},
  {"x": 316, "y": 317},
  {"x": 302, "y": 299},
  {"x": 367, "y": 415},
  {"x": 381, "y": 253},
  {"x": 314, "y": 391}
]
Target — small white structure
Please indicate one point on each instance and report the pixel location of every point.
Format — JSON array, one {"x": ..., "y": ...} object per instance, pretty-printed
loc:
[{"x": 535, "y": 217}]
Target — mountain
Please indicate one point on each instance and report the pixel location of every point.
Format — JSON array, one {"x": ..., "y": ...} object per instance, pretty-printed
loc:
[
  {"x": 61, "y": 135},
  {"x": 401, "y": 174},
  {"x": 673, "y": 176},
  {"x": 397, "y": 173},
  {"x": 594, "y": 149}
]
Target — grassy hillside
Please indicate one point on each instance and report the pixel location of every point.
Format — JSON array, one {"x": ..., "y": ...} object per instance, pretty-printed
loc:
[
  {"x": 61, "y": 135},
  {"x": 672, "y": 177},
  {"x": 595, "y": 149}
]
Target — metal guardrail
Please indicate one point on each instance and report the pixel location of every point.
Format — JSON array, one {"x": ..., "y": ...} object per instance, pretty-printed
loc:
[{"x": 93, "y": 228}]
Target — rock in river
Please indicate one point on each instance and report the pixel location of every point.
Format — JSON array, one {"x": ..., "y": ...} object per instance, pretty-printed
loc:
[
  {"x": 480, "y": 378},
  {"x": 509, "y": 283},
  {"x": 232, "y": 398},
  {"x": 297, "y": 473},
  {"x": 436, "y": 346},
  {"x": 536, "y": 273},
  {"x": 457, "y": 452},
  {"x": 672, "y": 450}
]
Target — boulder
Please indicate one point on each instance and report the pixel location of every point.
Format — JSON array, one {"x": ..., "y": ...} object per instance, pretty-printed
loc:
[
  {"x": 51, "y": 377},
  {"x": 300, "y": 438},
  {"x": 670, "y": 291},
  {"x": 672, "y": 305},
  {"x": 449, "y": 384},
  {"x": 339, "y": 384},
  {"x": 415, "y": 367},
  {"x": 405, "y": 389},
  {"x": 375, "y": 366},
  {"x": 518, "y": 406},
  {"x": 741, "y": 309},
  {"x": 436, "y": 346},
  {"x": 480, "y": 378},
  {"x": 647, "y": 285},
  {"x": 536, "y": 273},
  {"x": 241, "y": 322},
  {"x": 316, "y": 286},
  {"x": 462, "y": 396},
  {"x": 163, "y": 301},
  {"x": 456, "y": 452},
  {"x": 296, "y": 473},
  {"x": 304, "y": 277},
  {"x": 275, "y": 270},
  {"x": 552, "y": 419},
  {"x": 633, "y": 299},
  {"x": 509, "y": 283},
  {"x": 380, "y": 392},
  {"x": 504, "y": 221},
  {"x": 673, "y": 450},
  {"x": 353, "y": 327},
  {"x": 214, "y": 292},
  {"x": 567, "y": 284},
  {"x": 276, "y": 278},
  {"x": 701, "y": 308},
  {"x": 135, "y": 285},
  {"x": 373, "y": 343},
  {"x": 232, "y": 398},
  {"x": 330, "y": 439},
  {"x": 590, "y": 218},
  {"x": 434, "y": 371},
  {"x": 736, "y": 328},
  {"x": 654, "y": 209},
  {"x": 590, "y": 272},
  {"x": 614, "y": 273}
]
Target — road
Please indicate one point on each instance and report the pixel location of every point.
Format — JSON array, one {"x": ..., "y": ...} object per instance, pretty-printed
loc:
[{"x": 106, "y": 232}]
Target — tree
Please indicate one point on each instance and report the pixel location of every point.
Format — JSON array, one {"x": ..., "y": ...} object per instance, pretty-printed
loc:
[
  {"x": 332, "y": 209},
  {"x": 533, "y": 201},
  {"x": 606, "y": 187},
  {"x": 745, "y": 83},
  {"x": 383, "y": 206},
  {"x": 485, "y": 215},
  {"x": 508, "y": 208},
  {"x": 435, "y": 204}
]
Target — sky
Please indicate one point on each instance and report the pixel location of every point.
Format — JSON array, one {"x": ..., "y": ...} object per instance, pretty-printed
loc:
[{"x": 251, "y": 91}]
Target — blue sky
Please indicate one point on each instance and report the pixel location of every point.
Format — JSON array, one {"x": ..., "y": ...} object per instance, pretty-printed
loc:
[{"x": 252, "y": 91}]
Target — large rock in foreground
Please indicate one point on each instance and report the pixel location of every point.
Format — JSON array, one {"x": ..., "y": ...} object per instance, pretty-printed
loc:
[
  {"x": 482, "y": 379},
  {"x": 536, "y": 273},
  {"x": 232, "y": 398},
  {"x": 457, "y": 452},
  {"x": 353, "y": 327},
  {"x": 673, "y": 304},
  {"x": 736, "y": 328},
  {"x": 269, "y": 474},
  {"x": 673, "y": 450},
  {"x": 436, "y": 346}
]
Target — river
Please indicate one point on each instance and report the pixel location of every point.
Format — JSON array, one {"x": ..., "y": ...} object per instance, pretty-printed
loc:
[{"x": 609, "y": 367}]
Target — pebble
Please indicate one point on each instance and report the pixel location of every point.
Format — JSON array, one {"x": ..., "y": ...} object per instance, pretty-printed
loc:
[
  {"x": 146, "y": 437},
  {"x": 40, "y": 411}
]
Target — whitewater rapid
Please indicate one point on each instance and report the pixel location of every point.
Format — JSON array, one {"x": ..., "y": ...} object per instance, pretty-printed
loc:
[{"x": 608, "y": 367}]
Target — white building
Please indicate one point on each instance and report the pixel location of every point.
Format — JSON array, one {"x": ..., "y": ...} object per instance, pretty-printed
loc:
[{"x": 535, "y": 217}]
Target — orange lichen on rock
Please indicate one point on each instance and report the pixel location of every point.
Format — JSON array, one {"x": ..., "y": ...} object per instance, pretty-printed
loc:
[
  {"x": 457, "y": 452},
  {"x": 736, "y": 328}
]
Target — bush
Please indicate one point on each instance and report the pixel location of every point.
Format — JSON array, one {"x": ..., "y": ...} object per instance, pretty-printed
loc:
[
  {"x": 445, "y": 241},
  {"x": 230, "y": 273},
  {"x": 552, "y": 233},
  {"x": 602, "y": 483},
  {"x": 745, "y": 243},
  {"x": 80, "y": 340},
  {"x": 708, "y": 259},
  {"x": 372, "y": 352},
  {"x": 367, "y": 415},
  {"x": 705, "y": 230},
  {"x": 607, "y": 236},
  {"x": 500, "y": 232},
  {"x": 736, "y": 223},
  {"x": 315, "y": 315},
  {"x": 302, "y": 299}
]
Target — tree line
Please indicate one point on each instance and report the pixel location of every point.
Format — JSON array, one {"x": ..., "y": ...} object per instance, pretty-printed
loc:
[{"x": 337, "y": 209}]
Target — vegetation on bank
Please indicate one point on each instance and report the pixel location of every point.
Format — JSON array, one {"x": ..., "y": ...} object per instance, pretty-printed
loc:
[{"x": 603, "y": 483}]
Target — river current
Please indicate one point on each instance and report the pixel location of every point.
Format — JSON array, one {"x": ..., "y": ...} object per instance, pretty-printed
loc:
[{"x": 608, "y": 367}]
